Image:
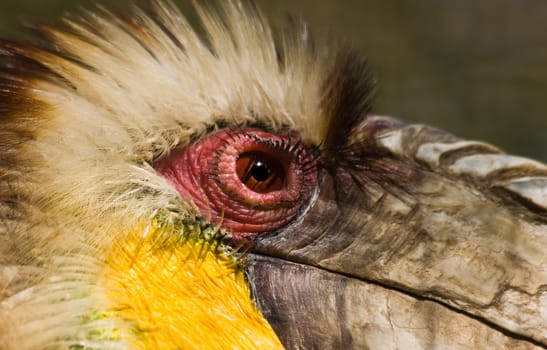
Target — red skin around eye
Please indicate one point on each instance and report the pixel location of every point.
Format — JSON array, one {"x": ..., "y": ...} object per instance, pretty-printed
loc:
[{"x": 205, "y": 173}]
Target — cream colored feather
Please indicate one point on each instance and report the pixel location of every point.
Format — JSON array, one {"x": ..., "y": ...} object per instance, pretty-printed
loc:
[{"x": 114, "y": 95}]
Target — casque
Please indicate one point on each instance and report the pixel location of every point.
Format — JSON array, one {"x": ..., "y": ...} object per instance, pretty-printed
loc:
[{"x": 161, "y": 188}]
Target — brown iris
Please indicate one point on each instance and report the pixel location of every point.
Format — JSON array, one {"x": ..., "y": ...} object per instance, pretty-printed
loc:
[{"x": 260, "y": 172}]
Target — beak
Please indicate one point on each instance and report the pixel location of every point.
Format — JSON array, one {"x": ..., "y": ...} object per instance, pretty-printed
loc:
[{"x": 410, "y": 244}]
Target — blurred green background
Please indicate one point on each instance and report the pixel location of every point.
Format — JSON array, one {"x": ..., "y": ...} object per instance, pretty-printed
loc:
[{"x": 475, "y": 68}]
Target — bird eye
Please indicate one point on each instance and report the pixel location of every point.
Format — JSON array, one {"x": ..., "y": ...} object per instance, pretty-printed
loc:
[
  {"x": 260, "y": 172},
  {"x": 249, "y": 181}
]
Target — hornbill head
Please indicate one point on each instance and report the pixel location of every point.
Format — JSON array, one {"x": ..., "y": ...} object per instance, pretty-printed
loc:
[{"x": 168, "y": 187}]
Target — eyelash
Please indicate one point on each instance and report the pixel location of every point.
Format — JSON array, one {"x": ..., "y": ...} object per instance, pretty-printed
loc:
[{"x": 294, "y": 146}]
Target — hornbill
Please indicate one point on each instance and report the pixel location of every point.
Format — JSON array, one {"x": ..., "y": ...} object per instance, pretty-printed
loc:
[{"x": 221, "y": 186}]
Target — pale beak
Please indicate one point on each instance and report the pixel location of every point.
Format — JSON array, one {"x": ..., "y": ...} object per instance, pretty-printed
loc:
[{"x": 397, "y": 253}]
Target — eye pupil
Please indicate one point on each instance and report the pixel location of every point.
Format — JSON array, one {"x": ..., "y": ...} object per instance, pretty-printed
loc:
[{"x": 260, "y": 172}]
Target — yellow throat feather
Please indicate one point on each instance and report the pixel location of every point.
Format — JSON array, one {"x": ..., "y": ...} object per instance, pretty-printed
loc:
[{"x": 207, "y": 293}]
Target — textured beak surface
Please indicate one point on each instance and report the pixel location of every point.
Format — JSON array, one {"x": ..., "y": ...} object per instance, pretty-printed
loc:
[{"x": 407, "y": 265}]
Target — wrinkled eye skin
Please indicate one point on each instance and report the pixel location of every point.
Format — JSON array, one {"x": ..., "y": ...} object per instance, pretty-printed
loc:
[{"x": 248, "y": 181}]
